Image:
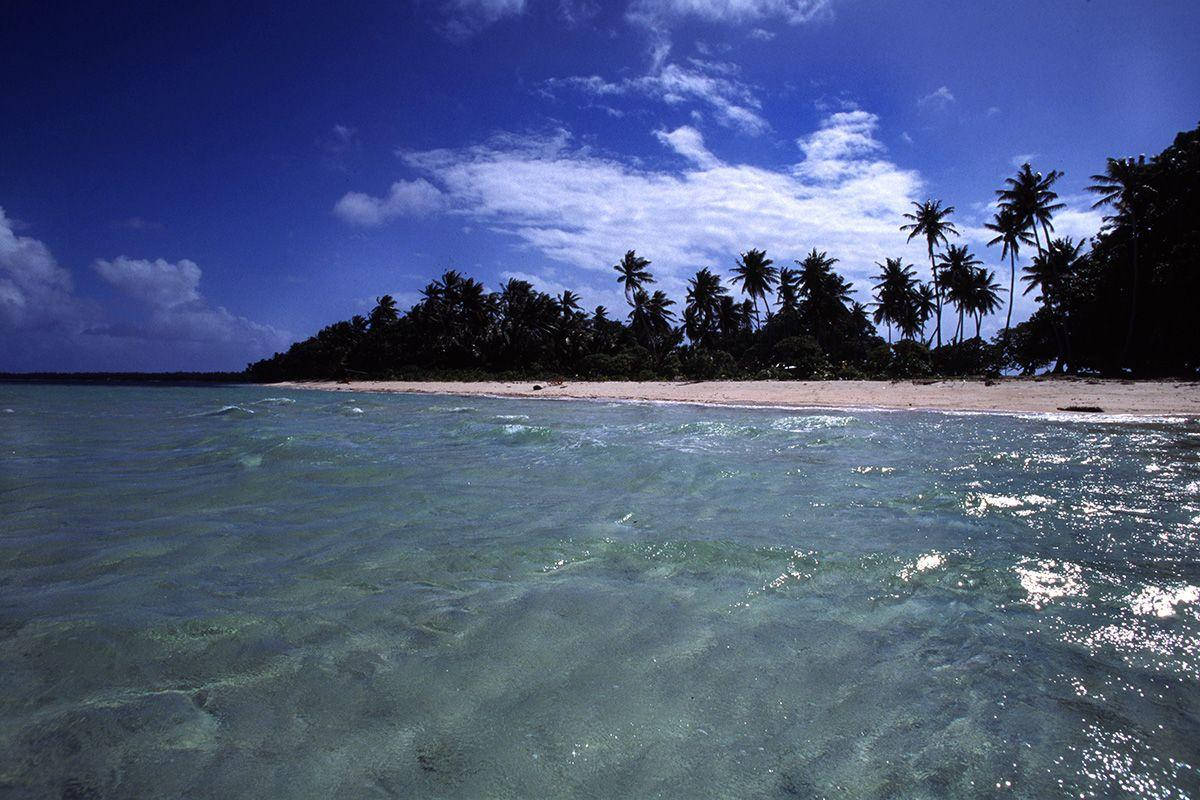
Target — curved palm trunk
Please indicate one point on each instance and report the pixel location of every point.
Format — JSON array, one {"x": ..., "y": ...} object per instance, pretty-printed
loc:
[
  {"x": 978, "y": 323},
  {"x": 1012, "y": 285},
  {"x": 937, "y": 294}
]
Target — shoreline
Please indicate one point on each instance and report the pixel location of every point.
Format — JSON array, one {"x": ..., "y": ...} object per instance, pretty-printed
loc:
[{"x": 1087, "y": 398}]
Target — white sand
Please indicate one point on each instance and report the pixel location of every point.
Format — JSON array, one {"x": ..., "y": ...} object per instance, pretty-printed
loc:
[{"x": 1020, "y": 395}]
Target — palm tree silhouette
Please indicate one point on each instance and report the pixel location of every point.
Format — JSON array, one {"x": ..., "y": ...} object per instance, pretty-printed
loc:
[
  {"x": 983, "y": 296},
  {"x": 1050, "y": 272},
  {"x": 825, "y": 293},
  {"x": 633, "y": 273},
  {"x": 1123, "y": 186},
  {"x": 957, "y": 266},
  {"x": 893, "y": 293},
  {"x": 384, "y": 312},
  {"x": 1030, "y": 197},
  {"x": 789, "y": 289},
  {"x": 930, "y": 220},
  {"x": 754, "y": 272},
  {"x": 1010, "y": 231},
  {"x": 703, "y": 299}
]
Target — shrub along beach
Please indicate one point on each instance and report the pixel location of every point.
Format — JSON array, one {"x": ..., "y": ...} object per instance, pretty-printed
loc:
[{"x": 1119, "y": 305}]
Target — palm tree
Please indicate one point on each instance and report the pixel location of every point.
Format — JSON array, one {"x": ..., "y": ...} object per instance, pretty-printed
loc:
[
  {"x": 921, "y": 308},
  {"x": 568, "y": 301},
  {"x": 703, "y": 299},
  {"x": 633, "y": 273},
  {"x": 930, "y": 221},
  {"x": 893, "y": 293},
  {"x": 983, "y": 297},
  {"x": 1050, "y": 272},
  {"x": 384, "y": 312},
  {"x": 789, "y": 289},
  {"x": 1010, "y": 231},
  {"x": 956, "y": 266},
  {"x": 651, "y": 316},
  {"x": 825, "y": 292},
  {"x": 1123, "y": 185},
  {"x": 1030, "y": 197},
  {"x": 754, "y": 271}
]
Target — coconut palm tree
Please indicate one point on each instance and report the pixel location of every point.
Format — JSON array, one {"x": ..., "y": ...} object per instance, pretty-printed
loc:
[
  {"x": 893, "y": 293},
  {"x": 1030, "y": 197},
  {"x": 921, "y": 307},
  {"x": 1050, "y": 273},
  {"x": 983, "y": 296},
  {"x": 568, "y": 302},
  {"x": 633, "y": 273},
  {"x": 703, "y": 299},
  {"x": 956, "y": 266},
  {"x": 822, "y": 289},
  {"x": 1123, "y": 186},
  {"x": 384, "y": 312},
  {"x": 930, "y": 220},
  {"x": 789, "y": 289},
  {"x": 754, "y": 272},
  {"x": 1010, "y": 232}
]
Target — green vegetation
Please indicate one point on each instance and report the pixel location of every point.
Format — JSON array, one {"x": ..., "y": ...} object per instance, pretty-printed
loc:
[{"x": 1119, "y": 304}]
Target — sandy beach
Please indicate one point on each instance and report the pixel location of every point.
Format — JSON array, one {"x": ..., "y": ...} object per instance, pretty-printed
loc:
[{"x": 1013, "y": 395}]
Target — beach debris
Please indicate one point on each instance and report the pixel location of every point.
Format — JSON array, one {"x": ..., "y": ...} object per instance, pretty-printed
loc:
[
  {"x": 537, "y": 387},
  {"x": 1086, "y": 409}
]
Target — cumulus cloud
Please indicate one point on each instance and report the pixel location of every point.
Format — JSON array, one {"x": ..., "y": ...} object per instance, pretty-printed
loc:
[
  {"x": 657, "y": 13},
  {"x": 584, "y": 210},
  {"x": 405, "y": 198},
  {"x": 937, "y": 100},
  {"x": 159, "y": 283},
  {"x": 34, "y": 289},
  {"x": 713, "y": 84}
]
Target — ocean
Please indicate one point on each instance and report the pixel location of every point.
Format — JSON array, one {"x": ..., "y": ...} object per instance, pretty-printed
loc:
[{"x": 254, "y": 592}]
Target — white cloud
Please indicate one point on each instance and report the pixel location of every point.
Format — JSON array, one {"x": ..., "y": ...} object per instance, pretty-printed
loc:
[
  {"x": 841, "y": 146},
  {"x": 992, "y": 111},
  {"x": 937, "y": 100},
  {"x": 34, "y": 289},
  {"x": 1020, "y": 159},
  {"x": 689, "y": 143},
  {"x": 577, "y": 208},
  {"x": 905, "y": 137},
  {"x": 658, "y": 13},
  {"x": 178, "y": 312},
  {"x": 712, "y": 83},
  {"x": 159, "y": 283},
  {"x": 414, "y": 198},
  {"x": 761, "y": 34}
]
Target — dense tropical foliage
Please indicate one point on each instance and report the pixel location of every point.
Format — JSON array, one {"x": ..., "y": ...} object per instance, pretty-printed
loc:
[{"x": 1121, "y": 303}]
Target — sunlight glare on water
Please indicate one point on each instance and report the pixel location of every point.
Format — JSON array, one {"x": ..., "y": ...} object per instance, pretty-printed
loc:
[{"x": 243, "y": 592}]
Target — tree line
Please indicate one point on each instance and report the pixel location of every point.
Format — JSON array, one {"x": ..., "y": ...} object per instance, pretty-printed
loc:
[{"x": 1120, "y": 303}]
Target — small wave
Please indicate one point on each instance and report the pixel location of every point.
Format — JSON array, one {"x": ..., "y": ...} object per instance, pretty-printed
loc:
[
  {"x": 518, "y": 431},
  {"x": 515, "y": 417},
  {"x": 238, "y": 412},
  {"x": 9, "y": 411},
  {"x": 451, "y": 409},
  {"x": 924, "y": 563},
  {"x": 352, "y": 411},
  {"x": 810, "y": 422},
  {"x": 274, "y": 401}
]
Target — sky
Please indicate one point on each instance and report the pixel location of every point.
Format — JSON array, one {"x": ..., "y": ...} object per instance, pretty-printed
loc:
[{"x": 193, "y": 186}]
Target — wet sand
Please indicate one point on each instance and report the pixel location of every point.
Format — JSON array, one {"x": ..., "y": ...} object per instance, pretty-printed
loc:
[{"x": 1013, "y": 395}]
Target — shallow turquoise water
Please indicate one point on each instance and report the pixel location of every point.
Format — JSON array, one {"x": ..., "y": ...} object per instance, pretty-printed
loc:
[{"x": 243, "y": 592}]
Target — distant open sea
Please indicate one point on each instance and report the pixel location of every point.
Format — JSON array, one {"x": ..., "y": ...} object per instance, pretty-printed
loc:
[{"x": 250, "y": 592}]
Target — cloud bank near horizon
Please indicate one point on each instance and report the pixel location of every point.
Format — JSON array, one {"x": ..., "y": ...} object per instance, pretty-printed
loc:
[{"x": 46, "y": 326}]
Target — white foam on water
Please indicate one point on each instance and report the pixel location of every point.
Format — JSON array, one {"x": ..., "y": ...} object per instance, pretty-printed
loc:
[{"x": 924, "y": 563}]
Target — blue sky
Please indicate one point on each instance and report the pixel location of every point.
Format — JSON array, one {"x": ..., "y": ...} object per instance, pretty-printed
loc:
[{"x": 193, "y": 188}]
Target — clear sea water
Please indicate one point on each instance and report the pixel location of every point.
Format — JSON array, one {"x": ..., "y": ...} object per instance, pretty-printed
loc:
[{"x": 249, "y": 592}]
